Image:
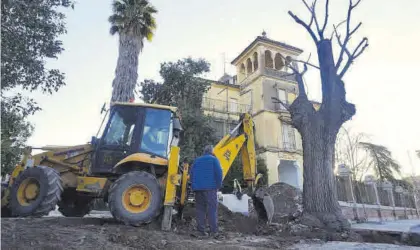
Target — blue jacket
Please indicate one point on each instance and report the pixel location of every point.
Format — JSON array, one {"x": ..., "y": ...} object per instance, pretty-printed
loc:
[{"x": 206, "y": 173}]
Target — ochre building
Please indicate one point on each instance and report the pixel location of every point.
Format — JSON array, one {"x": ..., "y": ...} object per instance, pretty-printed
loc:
[{"x": 262, "y": 72}]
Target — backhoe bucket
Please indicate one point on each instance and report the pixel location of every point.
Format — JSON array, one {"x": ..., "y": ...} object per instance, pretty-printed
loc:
[{"x": 261, "y": 205}]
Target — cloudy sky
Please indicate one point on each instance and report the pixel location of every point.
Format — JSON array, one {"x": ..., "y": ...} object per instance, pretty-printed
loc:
[{"x": 383, "y": 83}]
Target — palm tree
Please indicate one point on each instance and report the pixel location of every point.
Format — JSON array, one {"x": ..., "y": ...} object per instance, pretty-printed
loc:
[
  {"x": 133, "y": 20},
  {"x": 383, "y": 163}
]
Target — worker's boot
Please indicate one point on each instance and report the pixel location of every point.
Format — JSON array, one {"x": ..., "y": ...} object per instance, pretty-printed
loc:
[
  {"x": 216, "y": 236},
  {"x": 199, "y": 234}
]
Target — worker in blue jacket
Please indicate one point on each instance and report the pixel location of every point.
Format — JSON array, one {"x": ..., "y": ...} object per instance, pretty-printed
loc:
[{"x": 206, "y": 177}]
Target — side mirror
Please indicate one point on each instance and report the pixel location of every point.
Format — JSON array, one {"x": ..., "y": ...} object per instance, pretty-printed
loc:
[
  {"x": 177, "y": 127},
  {"x": 93, "y": 141}
]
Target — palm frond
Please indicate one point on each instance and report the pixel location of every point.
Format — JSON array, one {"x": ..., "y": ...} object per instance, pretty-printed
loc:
[
  {"x": 133, "y": 17},
  {"x": 113, "y": 30},
  {"x": 118, "y": 6}
]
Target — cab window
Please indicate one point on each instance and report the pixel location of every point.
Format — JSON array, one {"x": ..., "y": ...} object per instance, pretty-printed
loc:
[
  {"x": 156, "y": 132},
  {"x": 120, "y": 131}
]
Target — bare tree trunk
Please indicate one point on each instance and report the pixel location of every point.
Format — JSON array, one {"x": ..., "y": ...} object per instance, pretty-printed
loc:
[
  {"x": 126, "y": 71},
  {"x": 319, "y": 129},
  {"x": 319, "y": 190}
]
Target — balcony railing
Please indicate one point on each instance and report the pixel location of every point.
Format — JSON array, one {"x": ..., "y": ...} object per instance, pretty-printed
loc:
[
  {"x": 224, "y": 107},
  {"x": 289, "y": 146},
  {"x": 280, "y": 74}
]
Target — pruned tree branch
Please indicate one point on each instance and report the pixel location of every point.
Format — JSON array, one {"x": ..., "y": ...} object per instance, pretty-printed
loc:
[
  {"x": 299, "y": 75},
  {"x": 347, "y": 38},
  {"x": 313, "y": 16},
  {"x": 326, "y": 17},
  {"x": 312, "y": 11},
  {"x": 307, "y": 63},
  {"x": 313, "y": 19},
  {"x": 352, "y": 56},
  {"x": 336, "y": 27},
  {"x": 277, "y": 100}
]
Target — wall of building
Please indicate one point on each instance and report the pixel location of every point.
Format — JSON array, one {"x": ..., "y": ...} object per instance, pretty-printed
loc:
[
  {"x": 215, "y": 89},
  {"x": 253, "y": 94},
  {"x": 218, "y": 100}
]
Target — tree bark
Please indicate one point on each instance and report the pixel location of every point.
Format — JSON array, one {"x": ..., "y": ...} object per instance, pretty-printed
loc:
[
  {"x": 319, "y": 190},
  {"x": 319, "y": 132},
  {"x": 126, "y": 71}
]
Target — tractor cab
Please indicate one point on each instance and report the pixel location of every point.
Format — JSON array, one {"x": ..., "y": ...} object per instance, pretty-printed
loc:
[{"x": 147, "y": 130}]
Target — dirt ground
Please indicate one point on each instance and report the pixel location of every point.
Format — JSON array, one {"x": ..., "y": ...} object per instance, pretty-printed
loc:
[
  {"x": 237, "y": 230},
  {"x": 99, "y": 233}
]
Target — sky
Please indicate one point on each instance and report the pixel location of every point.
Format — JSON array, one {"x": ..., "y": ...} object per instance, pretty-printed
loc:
[{"x": 382, "y": 83}]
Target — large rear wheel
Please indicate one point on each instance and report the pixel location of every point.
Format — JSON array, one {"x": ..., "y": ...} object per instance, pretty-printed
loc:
[
  {"x": 35, "y": 192},
  {"x": 135, "y": 198}
]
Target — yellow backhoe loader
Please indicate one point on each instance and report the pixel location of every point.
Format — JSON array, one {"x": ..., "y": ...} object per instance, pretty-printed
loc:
[{"x": 134, "y": 166}]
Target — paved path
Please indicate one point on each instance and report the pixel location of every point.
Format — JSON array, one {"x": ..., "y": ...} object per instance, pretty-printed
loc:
[
  {"x": 403, "y": 226},
  {"x": 334, "y": 245}
]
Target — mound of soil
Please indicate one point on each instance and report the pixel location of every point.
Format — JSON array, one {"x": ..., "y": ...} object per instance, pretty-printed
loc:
[
  {"x": 228, "y": 221},
  {"x": 287, "y": 201}
]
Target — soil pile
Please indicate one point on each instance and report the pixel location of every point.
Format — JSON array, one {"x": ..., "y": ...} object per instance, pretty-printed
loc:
[
  {"x": 287, "y": 201},
  {"x": 228, "y": 221}
]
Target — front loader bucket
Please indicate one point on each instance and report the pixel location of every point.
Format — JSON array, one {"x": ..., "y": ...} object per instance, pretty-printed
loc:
[{"x": 262, "y": 206}]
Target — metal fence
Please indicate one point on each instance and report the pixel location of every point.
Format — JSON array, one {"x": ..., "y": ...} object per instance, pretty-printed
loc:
[{"x": 372, "y": 194}]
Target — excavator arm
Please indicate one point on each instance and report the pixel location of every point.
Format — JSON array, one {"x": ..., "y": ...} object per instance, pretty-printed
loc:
[{"x": 240, "y": 140}]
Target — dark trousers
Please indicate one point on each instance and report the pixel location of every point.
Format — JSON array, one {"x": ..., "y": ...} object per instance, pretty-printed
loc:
[{"x": 206, "y": 204}]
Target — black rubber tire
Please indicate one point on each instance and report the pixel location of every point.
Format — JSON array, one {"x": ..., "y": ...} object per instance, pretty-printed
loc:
[
  {"x": 74, "y": 205},
  {"x": 49, "y": 194},
  {"x": 117, "y": 190},
  {"x": 6, "y": 212}
]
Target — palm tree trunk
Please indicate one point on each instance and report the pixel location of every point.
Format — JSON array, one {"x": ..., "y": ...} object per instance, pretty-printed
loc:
[{"x": 126, "y": 71}]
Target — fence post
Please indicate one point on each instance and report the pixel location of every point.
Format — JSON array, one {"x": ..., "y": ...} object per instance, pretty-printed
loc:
[
  {"x": 405, "y": 202},
  {"x": 345, "y": 173},
  {"x": 373, "y": 191},
  {"x": 399, "y": 190},
  {"x": 416, "y": 205},
  {"x": 387, "y": 186}
]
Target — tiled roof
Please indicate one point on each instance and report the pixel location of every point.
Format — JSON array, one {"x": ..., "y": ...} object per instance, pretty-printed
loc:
[{"x": 266, "y": 40}]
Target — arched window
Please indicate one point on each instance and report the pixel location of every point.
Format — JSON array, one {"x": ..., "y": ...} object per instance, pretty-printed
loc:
[
  {"x": 268, "y": 59},
  {"x": 243, "y": 69},
  {"x": 279, "y": 64},
  {"x": 248, "y": 66},
  {"x": 255, "y": 57}
]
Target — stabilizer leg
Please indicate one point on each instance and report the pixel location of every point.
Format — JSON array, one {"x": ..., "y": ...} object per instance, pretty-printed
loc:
[{"x": 167, "y": 218}]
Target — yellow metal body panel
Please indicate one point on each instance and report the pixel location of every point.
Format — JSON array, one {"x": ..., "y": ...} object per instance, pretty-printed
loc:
[
  {"x": 184, "y": 183},
  {"x": 227, "y": 150},
  {"x": 90, "y": 184},
  {"x": 16, "y": 171},
  {"x": 143, "y": 157},
  {"x": 173, "y": 177},
  {"x": 249, "y": 160},
  {"x": 146, "y": 105}
]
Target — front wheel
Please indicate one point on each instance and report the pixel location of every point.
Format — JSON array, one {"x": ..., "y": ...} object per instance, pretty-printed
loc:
[{"x": 135, "y": 198}]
